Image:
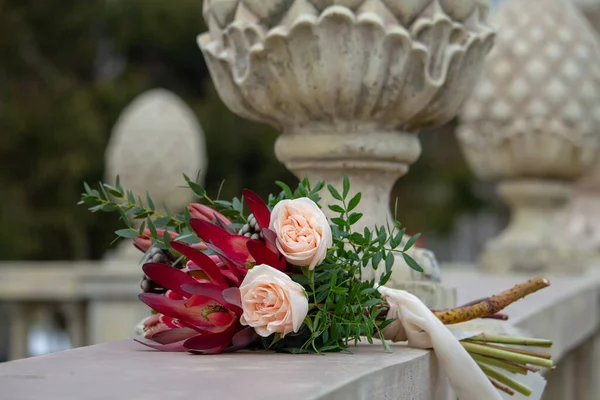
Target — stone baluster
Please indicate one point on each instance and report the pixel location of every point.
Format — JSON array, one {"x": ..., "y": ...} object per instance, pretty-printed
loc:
[
  {"x": 532, "y": 123},
  {"x": 155, "y": 140},
  {"x": 19, "y": 314},
  {"x": 349, "y": 83}
]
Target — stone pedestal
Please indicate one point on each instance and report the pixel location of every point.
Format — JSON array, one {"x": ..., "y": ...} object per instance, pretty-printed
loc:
[
  {"x": 349, "y": 83},
  {"x": 531, "y": 242}
]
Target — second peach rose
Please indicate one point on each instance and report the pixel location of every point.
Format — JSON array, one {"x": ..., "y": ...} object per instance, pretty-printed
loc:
[{"x": 303, "y": 232}]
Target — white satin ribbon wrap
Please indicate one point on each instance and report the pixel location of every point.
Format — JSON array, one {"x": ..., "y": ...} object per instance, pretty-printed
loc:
[{"x": 417, "y": 324}]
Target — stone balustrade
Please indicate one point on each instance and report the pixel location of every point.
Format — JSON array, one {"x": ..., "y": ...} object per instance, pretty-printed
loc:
[
  {"x": 568, "y": 312},
  {"x": 98, "y": 299}
]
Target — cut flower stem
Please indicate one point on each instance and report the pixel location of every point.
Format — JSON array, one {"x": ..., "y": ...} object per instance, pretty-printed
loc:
[
  {"x": 506, "y": 380},
  {"x": 495, "y": 362},
  {"x": 506, "y": 355},
  {"x": 518, "y": 341}
]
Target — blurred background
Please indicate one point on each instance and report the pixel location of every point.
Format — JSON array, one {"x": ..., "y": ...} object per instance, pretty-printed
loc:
[{"x": 68, "y": 69}]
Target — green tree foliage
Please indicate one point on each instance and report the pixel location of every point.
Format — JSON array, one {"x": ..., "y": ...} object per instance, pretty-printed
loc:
[
  {"x": 60, "y": 97},
  {"x": 67, "y": 70}
]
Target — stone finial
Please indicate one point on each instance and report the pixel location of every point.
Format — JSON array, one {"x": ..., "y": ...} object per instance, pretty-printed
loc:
[
  {"x": 532, "y": 122},
  {"x": 155, "y": 140}
]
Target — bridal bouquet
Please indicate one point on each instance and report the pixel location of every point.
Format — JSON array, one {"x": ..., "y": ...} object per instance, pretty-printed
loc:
[{"x": 279, "y": 275}]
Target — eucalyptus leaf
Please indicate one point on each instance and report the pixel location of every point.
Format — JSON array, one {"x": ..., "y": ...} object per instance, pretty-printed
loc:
[
  {"x": 334, "y": 193},
  {"x": 127, "y": 233}
]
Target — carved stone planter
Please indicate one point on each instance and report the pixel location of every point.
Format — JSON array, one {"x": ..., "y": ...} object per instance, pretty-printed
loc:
[
  {"x": 348, "y": 82},
  {"x": 532, "y": 123}
]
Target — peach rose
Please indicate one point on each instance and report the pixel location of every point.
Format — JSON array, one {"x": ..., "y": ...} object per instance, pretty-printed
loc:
[
  {"x": 272, "y": 302},
  {"x": 303, "y": 232}
]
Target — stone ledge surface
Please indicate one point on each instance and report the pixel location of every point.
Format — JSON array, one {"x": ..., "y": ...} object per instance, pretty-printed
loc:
[{"x": 128, "y": 370}]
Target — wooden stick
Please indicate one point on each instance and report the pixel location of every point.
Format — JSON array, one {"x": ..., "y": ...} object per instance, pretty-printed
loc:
[{"x": 492, "y": 305}]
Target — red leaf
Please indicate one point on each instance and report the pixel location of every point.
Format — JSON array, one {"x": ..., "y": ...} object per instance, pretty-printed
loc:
[
  {"x": 235, "y": 280},
  {"x": 234, "y": 246},
  {"x": 221, "y": 318},
  {"x": 270, "y": 239},
  {"x": 176, "y": 308},
  {"x": 168, "y": 277},
  {"x": 209, "y": 341},
  {"x": 233, "y": 296},
  {"x": 202, "y": 261},
  {"x": 244, "y": 337},
  {"x": 239, "y": 271},
  {"x": 177, "y": 346},
  {"x": 204, "y": 289},
  {"x": 262, "y": 255},
  {"x": 258, "y": 207},
  {"x": 215, "y": 350},
  {"x": 174, "y": 335},
  {"x": 208, "y": 232}
]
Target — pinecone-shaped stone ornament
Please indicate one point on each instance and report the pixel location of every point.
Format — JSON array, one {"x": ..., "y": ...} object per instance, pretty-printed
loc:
[
  {"x": 251, "y": 229},
  {"x": 156, "y": 255}
]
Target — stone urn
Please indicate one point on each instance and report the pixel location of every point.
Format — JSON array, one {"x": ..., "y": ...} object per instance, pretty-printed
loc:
[
  {"x": 532, "y": 123},
  {"x": 349, "y": 83}
]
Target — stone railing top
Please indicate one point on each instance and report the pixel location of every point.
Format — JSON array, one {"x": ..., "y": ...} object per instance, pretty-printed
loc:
[
  {"x": 126, "y": 370},
  {"x": 67, "y": 280}
]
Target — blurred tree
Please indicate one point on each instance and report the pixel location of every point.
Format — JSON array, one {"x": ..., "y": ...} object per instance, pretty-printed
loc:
[{"x": 67, "y": 70}]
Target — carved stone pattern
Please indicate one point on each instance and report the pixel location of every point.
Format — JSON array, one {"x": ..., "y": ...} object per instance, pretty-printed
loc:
[
  {"x": 272, "y": 13},
  {"x": 405, "y": 66},
  {"x": 536, "y": 109}
]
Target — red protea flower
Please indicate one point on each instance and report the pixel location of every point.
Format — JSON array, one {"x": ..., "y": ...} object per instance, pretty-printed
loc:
[
  {"x": 144, "y": 242},
  {"x": 203, "y": 314},
  {"x": 237, "y": 252},
  {"x": 201, "y": 309}
]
